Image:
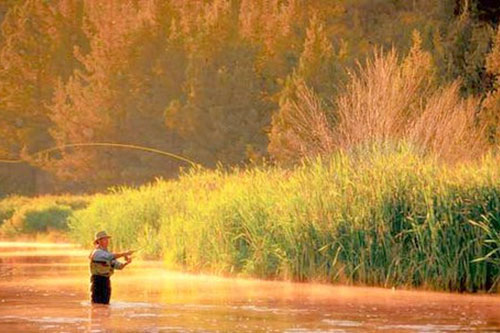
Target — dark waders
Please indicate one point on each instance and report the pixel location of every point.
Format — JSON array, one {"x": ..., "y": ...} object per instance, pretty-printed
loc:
[{"x": 100, "y": 289}]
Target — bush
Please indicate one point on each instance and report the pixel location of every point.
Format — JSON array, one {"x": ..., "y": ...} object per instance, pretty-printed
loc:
[
  {"x": 47, "y": 218},
  {"x": 8, "y": 207},
  {"x": 29, "y": 216}
]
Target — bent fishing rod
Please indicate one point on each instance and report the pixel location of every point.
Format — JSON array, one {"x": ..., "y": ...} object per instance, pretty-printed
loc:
[{"x": 101, "y": 144}]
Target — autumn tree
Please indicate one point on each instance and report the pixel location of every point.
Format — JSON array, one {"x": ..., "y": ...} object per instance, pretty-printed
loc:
[
  {"x": 37, "y": 49},
  {"x": 306, "y": 93},
  {"x": 222, "y": 116},
  {"x": 89, "y": 106},
  {"x": 215, "y": 80},
  {"x": 134, "y": 68},
  {"x": 5, "y": 6},
  {"x": 277, "y": 29},
  {"x": 156, "y": 73},
  {"x": 491, "y": 112},
  {"x": 460, "y": 47}
]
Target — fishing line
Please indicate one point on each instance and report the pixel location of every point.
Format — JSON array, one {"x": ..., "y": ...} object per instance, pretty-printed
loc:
[{"x": 102, "y": 144}]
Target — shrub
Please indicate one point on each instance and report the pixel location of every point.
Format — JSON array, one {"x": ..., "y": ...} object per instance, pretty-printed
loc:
[{"x": 29, "y": 216}]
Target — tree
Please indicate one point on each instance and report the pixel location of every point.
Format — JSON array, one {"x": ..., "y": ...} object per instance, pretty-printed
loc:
[
  {"x": 25, "y": 76},
  {"x": 222, "y": 115},
  {"x": 276, "y": 29},
  {"x": 491, "y": 112},
  {"x": 156, "y": 72},
  {"x": 89, "y": 106},
  {"x": 300, "y": 123},
  {"x": 134, "y": 68},
  {"x": 460, "y": 49},
  {"x": 37, "y": 49},
  {"x": 5, "y": 6}
]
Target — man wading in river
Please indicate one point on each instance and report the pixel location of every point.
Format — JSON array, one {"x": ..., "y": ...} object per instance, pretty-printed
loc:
[{"x": 102, "y": 265}]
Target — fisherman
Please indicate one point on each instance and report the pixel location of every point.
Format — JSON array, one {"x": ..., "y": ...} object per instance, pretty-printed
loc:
[{"x": 102, "y": 265}]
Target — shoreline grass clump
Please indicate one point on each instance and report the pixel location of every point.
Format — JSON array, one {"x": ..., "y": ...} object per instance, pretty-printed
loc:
[
  {"x": 22, "y": 217},
  {"x": 382, "y": 216}
]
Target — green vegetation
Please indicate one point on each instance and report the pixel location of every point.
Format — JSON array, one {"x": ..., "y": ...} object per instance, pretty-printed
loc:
[
  {"x": 302, "y": 101},
  {"x": 25, "y": 217},
  {"x": 348, "y": 219}
]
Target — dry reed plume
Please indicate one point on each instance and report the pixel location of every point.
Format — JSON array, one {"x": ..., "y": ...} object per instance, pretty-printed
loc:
[{"x": 389, "y": 100}]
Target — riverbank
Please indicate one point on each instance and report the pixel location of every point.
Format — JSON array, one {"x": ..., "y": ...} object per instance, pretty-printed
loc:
[
  {"x": 381, "y": 217},
  {"x": 43, "y": 218}
]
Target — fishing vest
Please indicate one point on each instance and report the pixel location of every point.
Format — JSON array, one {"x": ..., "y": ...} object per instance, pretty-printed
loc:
[{"x": 101, "y": 263}]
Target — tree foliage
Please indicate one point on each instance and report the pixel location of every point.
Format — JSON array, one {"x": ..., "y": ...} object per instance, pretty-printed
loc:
[
  {"x": 215, "y": 80},
  {"x": 492, "y": 101}
]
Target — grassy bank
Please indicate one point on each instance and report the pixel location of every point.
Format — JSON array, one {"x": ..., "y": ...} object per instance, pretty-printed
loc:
[
  {"x": 39, "y": 217},
  {"x": 383, "y": 217}
]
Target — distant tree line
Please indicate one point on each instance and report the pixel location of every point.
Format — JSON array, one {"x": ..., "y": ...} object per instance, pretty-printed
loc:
[{"x": 213, "y": 80}]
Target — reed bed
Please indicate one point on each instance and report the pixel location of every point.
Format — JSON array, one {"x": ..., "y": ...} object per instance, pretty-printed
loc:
[{"x": 379, "y": 216}]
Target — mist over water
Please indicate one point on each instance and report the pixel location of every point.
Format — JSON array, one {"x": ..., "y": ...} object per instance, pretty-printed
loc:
[{"x": 44, "y": 288}]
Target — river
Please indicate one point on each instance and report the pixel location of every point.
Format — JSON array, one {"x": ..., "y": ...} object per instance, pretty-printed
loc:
[{"x": 44, "y": 288}]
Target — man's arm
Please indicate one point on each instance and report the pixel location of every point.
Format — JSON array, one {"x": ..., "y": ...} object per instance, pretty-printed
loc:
[{"x": 121, "y": 265}]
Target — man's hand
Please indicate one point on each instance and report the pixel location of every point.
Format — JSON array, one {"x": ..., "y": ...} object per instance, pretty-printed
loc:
[{"x": 128, "y": 259}]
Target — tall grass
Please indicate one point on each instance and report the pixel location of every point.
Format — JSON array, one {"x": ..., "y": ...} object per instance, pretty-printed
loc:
[
  {"x": 381, "y": 215},
  {"x": 387, "y": 99}
]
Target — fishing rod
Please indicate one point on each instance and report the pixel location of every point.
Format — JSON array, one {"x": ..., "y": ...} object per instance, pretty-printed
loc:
[
  {"x": 101, "y": 144},
  {"x": 138, "y": 250},
  {"x": 149, "y": 238}
]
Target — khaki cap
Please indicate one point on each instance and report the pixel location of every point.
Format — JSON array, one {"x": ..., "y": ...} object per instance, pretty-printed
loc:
[{"x": 101, "y": 234}]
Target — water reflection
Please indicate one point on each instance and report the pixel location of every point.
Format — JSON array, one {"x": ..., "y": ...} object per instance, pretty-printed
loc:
[
  {"x": 99, "y": 316},
  {"x": 51, "y": 294}
]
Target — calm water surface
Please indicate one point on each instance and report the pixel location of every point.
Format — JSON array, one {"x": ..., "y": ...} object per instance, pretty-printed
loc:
[{"x": 44, "y": 288}]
